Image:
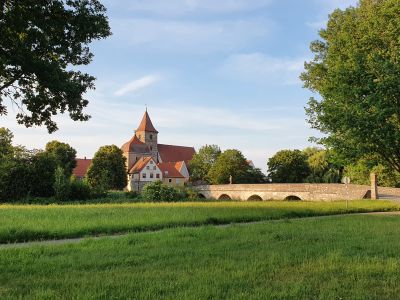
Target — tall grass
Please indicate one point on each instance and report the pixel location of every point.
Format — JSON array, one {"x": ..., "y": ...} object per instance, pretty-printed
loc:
[
  {"x": 34, "y": 222},
  {"x": 352, "y": 257}
]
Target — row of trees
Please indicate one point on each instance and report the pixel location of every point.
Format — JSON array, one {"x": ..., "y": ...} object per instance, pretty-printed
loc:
[
  {"x": 48, "y": 173},
  {"x": 211, "y": 165},
  {"x": 316, "y": 165}
]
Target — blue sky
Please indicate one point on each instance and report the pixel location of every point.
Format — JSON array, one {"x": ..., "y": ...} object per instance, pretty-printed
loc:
[{"x": 210, "y": 72}]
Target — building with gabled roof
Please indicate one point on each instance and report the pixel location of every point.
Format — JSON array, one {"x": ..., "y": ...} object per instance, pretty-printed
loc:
[{"x": 146, "y": 159}]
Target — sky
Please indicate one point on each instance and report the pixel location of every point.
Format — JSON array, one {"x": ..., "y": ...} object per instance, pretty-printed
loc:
[{"x": 220, "y": 72}]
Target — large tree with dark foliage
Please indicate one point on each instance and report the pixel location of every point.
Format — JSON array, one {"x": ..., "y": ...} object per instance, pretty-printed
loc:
[
  {"x": 288, "y": 166},
  {"x": 108, "y": 169},
  {"x": 356, "y": 71},
  {"x": 41, "y": 43}
]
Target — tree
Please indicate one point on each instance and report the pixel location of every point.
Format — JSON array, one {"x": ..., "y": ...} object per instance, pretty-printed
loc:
[
  {"x": 40, "y": 43},
  {"x": 202, "y": 162},
  {"x": 64, "y": 155},
  {"x": 42, "y": 167},
  {"x": 230, "y": 163},
  {"x": 288, "y": 166},
  {"x": 322, "y": 165},
  {"x": 62, "y": 185},
  {"x": 6, "y": 147},
  {"x": 356, "y": 72},
  {"x": 108, "y": 165}
]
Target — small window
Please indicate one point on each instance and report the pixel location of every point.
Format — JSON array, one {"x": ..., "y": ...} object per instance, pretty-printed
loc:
[
  {"x": 151, "y": 148},
  {"x": 151, "y": 136},
  {"x": 151, "y": 162},
  {"x": 157, "y": 175},
  {"x": 154, "y": 168},
  {"x": 170, "y": 180},
  {"x": 144, "y": 175},
  {"x": 151, "y": 175},
  {"x": 148, "y": 167}
]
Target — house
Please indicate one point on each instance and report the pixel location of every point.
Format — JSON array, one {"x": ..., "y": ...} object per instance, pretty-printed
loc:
[{"x": 82, "y": 166}]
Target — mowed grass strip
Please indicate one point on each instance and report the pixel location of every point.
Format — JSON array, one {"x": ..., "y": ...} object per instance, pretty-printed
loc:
[
  {"x": 350, "y": 257},
  {"x": 20, "y": 223}
]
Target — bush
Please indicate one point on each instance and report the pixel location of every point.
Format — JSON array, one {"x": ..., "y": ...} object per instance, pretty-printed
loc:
[
  {"x": 79, "y": 190},
  {"x": 159, "y": 192},
  {"x": 61, "y": 185}
]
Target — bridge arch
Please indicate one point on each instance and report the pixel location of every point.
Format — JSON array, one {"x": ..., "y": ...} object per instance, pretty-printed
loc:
[
  {"x": 201, "y": 196},
  {"x": 254, "y": 198},
  {"x": 292, "y": 198},
  {"x": 224, "y": 197}
]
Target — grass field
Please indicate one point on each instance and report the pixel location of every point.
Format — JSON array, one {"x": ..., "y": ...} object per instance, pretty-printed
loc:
[
  {"x": 35, "y": 222},
  {"x": 337, "y": 257}
]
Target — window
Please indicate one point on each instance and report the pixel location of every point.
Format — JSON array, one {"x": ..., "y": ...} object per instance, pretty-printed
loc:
[
  {"x": 157, "y": 175},
  {"x": 144, "y": 175},
  {"x": 154, "y": 168},
  {"x": 151, "y": 175},
  {"x": 151, "y": 148},
  {"x": 151, "y": 162},
  {"x": 170, "y": 180},
  {"x": 177, "y": 180},
  {"x": 148, "y": 167},
  {"x": 151, "y": 136}
]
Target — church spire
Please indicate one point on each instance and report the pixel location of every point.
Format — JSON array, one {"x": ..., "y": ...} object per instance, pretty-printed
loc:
[{"x": 146, "y": 124}]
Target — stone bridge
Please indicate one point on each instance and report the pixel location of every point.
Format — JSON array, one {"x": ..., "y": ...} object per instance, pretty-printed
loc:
[{"x": 301, "y": 191}]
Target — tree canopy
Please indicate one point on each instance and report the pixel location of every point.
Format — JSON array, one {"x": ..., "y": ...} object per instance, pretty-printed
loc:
[
  {"x": 108, "y": 168},
  {"x": 64, "y": 155},
  {"x": 232, "y": 163},
  {"x": 41, "y": 43},
  {"x": 356, "y": 71},
  {"x": 202, "y": 162},
  {"x": 288, "y": 166}
]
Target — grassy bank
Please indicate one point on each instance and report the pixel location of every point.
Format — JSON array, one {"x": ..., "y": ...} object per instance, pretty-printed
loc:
[
  {"x": 352, "y": 257},
  {"x": 34, "y": 222}
]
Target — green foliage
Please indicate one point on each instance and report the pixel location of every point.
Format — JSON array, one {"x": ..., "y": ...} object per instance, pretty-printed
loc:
[
  {"x": 64, "y": 155},
  {"x": 62, "y": 188},
  {"x": 233, "y": 163},
  {"x": 79, "y": 190},
  {"x": 14, "y": 179},
  {"x": 322, "y": 165},
  {"x": 107, "y": 170},
  {"x": 159, "y": 192},
  {"x": 202, "y": 162},
  {"x": 359, "y": 173},
  {"x": 288, "y": 166},
  {"x": 42, "y": 174},
  {"x": 42, "y": 42},
  {"x": 356, "y": 71},
  {"x": 6, "y": 147}
]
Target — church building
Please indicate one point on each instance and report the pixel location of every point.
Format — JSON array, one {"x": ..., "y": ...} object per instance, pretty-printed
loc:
[{"x": 147, "y": 160}]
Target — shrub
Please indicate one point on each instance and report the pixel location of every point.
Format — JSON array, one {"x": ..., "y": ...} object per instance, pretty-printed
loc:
[
  {"x": 157, "y": 191},
  {"x": 79, "y": 190},
  {"x": 61, "y": 185}
]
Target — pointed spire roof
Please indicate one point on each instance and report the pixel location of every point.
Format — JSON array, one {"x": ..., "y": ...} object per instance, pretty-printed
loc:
[{"x": 145, "y": 124}]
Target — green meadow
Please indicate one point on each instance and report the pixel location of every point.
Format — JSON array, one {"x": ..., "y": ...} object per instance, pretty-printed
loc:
[
  {"x": 335, "y": 257},
  {"x": 40, "y": 222}
]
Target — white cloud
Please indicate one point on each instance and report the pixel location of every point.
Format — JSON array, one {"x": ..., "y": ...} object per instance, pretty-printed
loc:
[
  {"x": 189, "y": 36},
  {"x": 137, "y": 84},
  {"x": 264, "y": 69},
  {"x": 181, "y": 7}
]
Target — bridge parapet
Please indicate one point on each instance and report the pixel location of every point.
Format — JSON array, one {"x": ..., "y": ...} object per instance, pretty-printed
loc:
[{"x": 303, "y": 191}]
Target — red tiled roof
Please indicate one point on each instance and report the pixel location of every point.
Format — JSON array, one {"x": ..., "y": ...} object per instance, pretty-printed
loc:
[
  {"x": 168, "y": 170},
  {"x": 170, "y": 153},
  {"x": 135, "y": 145},
  {"x": 82, "y": 166},
  {"x": 140, "y": 164},
  {"x": 146, "y": 125}
]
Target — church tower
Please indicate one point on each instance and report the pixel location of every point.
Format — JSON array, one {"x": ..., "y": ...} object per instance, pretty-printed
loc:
[{"x": 148, "y": 135}]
